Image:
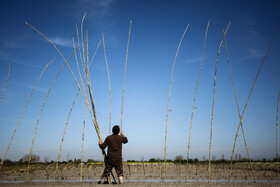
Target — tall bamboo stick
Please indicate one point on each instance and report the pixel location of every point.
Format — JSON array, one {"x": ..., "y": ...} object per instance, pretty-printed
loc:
[
  {"x": 29, "y": 159},
  {"x": 84, "y": 61},
  {"x": 109, "y": 83},
  {"x": 74, "y": 47},
  {"x": 171, "y": 80},
  {"x": 62, "y": 139},
  {"x": 277, "y": 155},
  {"x": 24, "y": 111},
  {"x": 74, "y": 99},
  {"x": 236, "y": 135},
  {"x": 243, "y": 133},
  {"x": 85, "y": 99},
  {"x": 189, "y": 143},
  {"x": 78, "y": 38},
  {"x": 6, "y": 81},
  {"x": 212, "y": 117},
  {"x": 92, "y": 113},
  {"x": 83, "y": 139},
  {"x": 125, "y": 71}
]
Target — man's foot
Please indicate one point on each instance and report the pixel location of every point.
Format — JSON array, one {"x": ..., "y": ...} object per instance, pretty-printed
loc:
[{"x": 102, "y": 181}]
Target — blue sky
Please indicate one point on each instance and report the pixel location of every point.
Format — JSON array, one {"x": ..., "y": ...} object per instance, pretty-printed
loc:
[{"x": 156, "y": 31}]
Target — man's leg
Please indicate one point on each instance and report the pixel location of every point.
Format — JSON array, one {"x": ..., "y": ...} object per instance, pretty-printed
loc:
[
  {"x": 120, "y": 179},
  {"x": 119, "y": 171},
  {"x": 106, "y": 173}
]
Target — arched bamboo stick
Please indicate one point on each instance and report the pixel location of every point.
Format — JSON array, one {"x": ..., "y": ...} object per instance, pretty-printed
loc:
[
  {"x": 125, "y": 71},
  {"x": 250, "y": 95},
  {"x": 6, "y": 81},
  {"x": 213, "y": 104},
  {"x": 171, "y": 80},
  {"x": 109, "y": 83},
  {"x": 30, "y": 154},
  {"x": 243, "y": 133},
  {"x": 24, "y": 111},
  {"x": 189, "y": 143}
]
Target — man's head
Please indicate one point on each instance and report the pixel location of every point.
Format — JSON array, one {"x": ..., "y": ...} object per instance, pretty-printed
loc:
[{"x": 116, "y": 129}]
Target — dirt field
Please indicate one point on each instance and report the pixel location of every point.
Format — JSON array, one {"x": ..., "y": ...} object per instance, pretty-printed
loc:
[{"x": 147, "y": 174}]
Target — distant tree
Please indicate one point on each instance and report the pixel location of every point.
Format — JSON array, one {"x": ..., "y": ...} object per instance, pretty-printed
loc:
[
  {"x": 159, "y": 160},
  {"x": 90, "y": 160},
  {"x": 47, "y": 159},
  {"x": 203, "y": 157},
  {"x": 152, "y": 160},
  {"x": 223, "y": 157},
  {"x": 178, "y": 159},
  {"x": 8, "y": 162},
  {"x": 34, "y": 158},
  {"x": 275, "y": 159},
  {"x": 191, "y": 161},
  {"x": 195, "y": 160},
  {"x": 240, "y": 158},
  {"x": 213, "y": 157},
  {"x": 264, "y": 160},
  {"x": 235, "y": 157}
]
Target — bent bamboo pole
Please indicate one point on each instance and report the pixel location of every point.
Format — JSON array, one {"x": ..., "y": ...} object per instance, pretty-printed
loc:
[
  {"x": 47, "y": 95},
  {"x": 171, "y": 80},
  {"x": 24, "y": 111},
  {"x": 212, "y": 117},
  {"x": 243, "y": 133},
  {"x": 125, "y": 71},
  {"x": 236, "y": 135},
  {"x": 109, "y": 82},
  {"x": 6, "y": 82},
  {"x": 189, "y": 143}
]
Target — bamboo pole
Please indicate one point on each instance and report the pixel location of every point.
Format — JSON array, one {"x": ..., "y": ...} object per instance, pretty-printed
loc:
[
  {"x": 83, "y": 139},
  {"x": 212, "y": 117},
  {"x": 85, "y": 99},
  {"x": 56, "y": 168},
  {"x": 24, "y": 111},
  {"x": 74, "y": 47},
  {"x": 250, "y": 95},
  {"x": 73, "y": 103},
  {"x": 84, "y": 61},
  {"x": 189, "y": 143},
  {"x": 171, "y": 80},
  {"x": 78, "y": 38},
  {"x": 95, "y": 124},
  {"x": 243, "y": 133},
  {"x": 277, "y": 155},
  {"x": 125, "y": 71},
  {"x": 109, "y": 83},
  {"x": 47, "y": 95},
  {"x": 6, "y": 82}
]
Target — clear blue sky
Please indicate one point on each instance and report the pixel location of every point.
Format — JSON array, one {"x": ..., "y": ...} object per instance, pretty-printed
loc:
[{"x": 156, "y": 31}]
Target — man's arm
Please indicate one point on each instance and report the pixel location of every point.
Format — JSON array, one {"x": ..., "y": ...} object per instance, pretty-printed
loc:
[
  {"x": 103, "y": 145},
  {"x": 124, "y": 138}
]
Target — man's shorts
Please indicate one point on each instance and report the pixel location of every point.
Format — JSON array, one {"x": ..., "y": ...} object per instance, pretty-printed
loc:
[{"x": 109, "y": 166}]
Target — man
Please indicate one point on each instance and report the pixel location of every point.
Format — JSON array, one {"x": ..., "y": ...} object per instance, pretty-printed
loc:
[{"x": 114, "y": 154}]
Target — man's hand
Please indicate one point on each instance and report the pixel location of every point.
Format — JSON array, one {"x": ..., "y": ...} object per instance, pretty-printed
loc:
[
  {"x": 122, "y": 134},
  {"x": 100, "y": 142}
]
